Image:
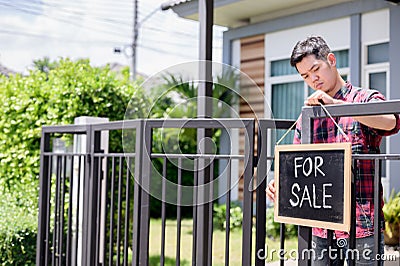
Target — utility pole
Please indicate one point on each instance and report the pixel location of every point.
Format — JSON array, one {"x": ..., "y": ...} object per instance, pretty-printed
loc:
[
  {"x": 135, "y": 32},
  {"x": 135, "y": 37}
]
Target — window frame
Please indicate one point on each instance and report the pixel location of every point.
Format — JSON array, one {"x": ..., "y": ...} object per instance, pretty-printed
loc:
[{"x": 371, "y": 69}]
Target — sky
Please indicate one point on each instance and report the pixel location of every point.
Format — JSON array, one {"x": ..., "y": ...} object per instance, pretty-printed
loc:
[{"x": 34, "y": 29}]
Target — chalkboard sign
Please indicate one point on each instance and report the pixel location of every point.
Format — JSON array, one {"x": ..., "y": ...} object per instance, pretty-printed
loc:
[{"x": 312, "y": 184}]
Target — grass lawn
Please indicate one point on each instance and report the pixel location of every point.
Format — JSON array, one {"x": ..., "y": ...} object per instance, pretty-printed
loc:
[{"x": 218, "y": 244}]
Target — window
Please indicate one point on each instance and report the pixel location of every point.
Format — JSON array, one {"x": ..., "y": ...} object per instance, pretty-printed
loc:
[
  {"x": 287, "y": 100},
  {"x": 376, "y": 77},
  {"x": 282, "y": 68},
  {"x": 378, "y": 53}
]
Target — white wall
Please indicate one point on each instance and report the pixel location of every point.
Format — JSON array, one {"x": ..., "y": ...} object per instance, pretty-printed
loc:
[
  {"x": 375, "y": 26},
  {"x": 279, "y": 45}
]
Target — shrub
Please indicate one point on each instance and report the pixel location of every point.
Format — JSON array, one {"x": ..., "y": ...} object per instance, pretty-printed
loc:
[
  {"x": 68, "y": 90},
  {"x": 18, "y": 232},
  {"x": 391, "y": 211},
  {"x": 236, "y": 217},
  {"x": 273, "y": 228}
]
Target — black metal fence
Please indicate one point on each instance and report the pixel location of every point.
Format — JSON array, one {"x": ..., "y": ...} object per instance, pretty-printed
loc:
[{"x": 94, "y": 205}]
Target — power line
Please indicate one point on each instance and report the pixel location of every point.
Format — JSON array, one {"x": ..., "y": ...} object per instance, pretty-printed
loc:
[
  {"x": 79, "y": 14},
  {"x": 70, "y": 14},
  {"x": 112, "y": 43},
  {"x": 98, "y": 6},
  {"x": 106, "y": 20},
  {"x": 158, "y": 50},
  {"x": 56, "y": 38},
  {"x": 63, "y": 20}
]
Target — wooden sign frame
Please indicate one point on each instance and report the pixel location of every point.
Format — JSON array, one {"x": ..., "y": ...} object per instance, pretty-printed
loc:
[{"x": 346, "y": 148}]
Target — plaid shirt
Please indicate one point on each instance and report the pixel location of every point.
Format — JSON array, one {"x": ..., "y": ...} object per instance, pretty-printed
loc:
[{"x": 364, "y": 140}]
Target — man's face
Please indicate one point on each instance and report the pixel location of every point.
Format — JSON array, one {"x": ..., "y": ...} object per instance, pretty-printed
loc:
[{"x": 318, "y": 74}]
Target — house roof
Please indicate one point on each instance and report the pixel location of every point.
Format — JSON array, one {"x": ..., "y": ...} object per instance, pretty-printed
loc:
[
  {"x": 6, "y": 71},
  {"x": 236, "y": 13},
  {"x": 170, "y": 4}
]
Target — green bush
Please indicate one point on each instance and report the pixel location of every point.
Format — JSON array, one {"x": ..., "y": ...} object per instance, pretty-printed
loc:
[
  {"x": 236, "y": 217},
  {"x": 273, "y": 228},
  {"x": 391, "y": 209},
  {"x": 67, "y": 90},
  {"x": 18, "y": 232},
  {"x": 71, "y": 89},
  {"x": 391, "y": 212}
]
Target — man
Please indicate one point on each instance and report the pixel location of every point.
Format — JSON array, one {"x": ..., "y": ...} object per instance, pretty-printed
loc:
[{"x": 314, "y": 61}]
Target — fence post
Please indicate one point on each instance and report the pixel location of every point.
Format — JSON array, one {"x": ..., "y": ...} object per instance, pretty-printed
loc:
[
  {"x": 305, "y": 233},
  {"x": 261, "y": 200},
  {"x": 42, "y": 247},
  {"x": 248, "y": 194},
  {"x": 144, "y": 180},
  {"x": 137, "y": 194},
  {"x": 87, "y": 249}
]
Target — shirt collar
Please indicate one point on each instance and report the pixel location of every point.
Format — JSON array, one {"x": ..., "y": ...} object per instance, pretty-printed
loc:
[{"x": 344, "y": 91}]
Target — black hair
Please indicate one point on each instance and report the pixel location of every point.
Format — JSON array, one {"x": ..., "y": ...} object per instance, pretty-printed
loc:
[{"x": 313, "y": 45}]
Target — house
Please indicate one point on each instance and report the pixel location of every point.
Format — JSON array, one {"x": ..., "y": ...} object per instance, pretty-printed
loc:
[
  {"x": 6, "y": 71},
  {"x": 364, "y": 34}
]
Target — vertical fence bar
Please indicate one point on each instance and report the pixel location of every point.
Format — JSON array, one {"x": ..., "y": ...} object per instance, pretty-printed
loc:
[
  {"x": 111, "y": 227},
  {"x": 145, "y": 182},
  {"x": 330, "y": 242},
  {"x": 56, "y": 214},
  {"x": 63, "y": 191},
  {"x": 107, "y": 203},
  {"x": 195, "y": 183},
  {"x": 77, "y": 232},
  {"x": 48, "y": 215},
  {"x": 85, "y": 199},
  {"x": 127, "y": 210},
  {"x": 202, "y": 206},
  {"x": 282, "y": 229},
  {"x": 305, "y": 233},
  {"x": 179, "y": 214},
  {"x": 69, "y": 227},
  {"x": 377, "y": 208},
  {"x": 119, "y": 209},
  {"x": 88, "y": 209},
  {"x": 261, "y": 200},
  {"x": 163, "y": 211},
  {"x": 352, "y": 238},
  {"x": 228, "y": 213},
  {"x": 44, "y": 194},
  {"x": 99, "y": 195},
  {"x": 137, "y": 193},
  {"x": 210, "y": 213},
  {"x": 94, "y": 212},
  {"x": 248, "y": 194}
]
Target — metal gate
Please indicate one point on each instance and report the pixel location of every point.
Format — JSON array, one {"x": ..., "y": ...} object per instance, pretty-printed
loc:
[{"x": 94, "y": 204}]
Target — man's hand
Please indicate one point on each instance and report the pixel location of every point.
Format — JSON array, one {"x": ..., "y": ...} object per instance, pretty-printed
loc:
[
  {"x": 383, "y": 122},
  {"x": 321, "y": 97},
  {"x": 271, "y": 190}
]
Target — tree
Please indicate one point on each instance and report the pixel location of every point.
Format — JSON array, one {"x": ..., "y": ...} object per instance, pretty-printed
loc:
[
  {"x": 69, "y": 90},
  {"x": 44, "y": 65}
]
